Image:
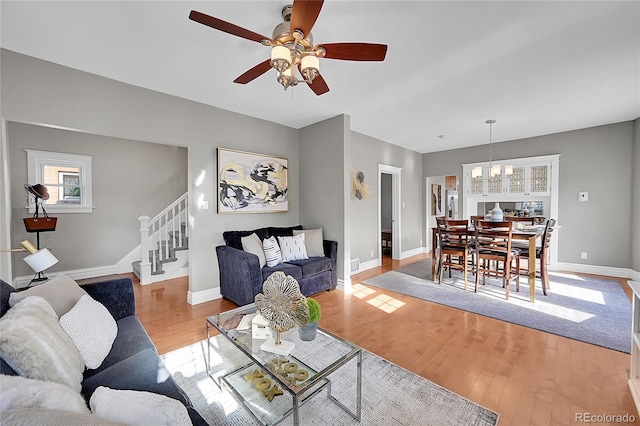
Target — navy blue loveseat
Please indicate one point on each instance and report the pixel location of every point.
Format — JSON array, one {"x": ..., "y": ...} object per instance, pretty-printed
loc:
[{"x": 241, "y": 277}]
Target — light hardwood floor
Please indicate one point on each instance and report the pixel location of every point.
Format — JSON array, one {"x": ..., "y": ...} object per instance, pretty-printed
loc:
[{"x": 527, "y": 376}]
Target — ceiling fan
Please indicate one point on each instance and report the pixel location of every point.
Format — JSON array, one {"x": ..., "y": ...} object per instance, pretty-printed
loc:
[{"x": 292, "y": 46}]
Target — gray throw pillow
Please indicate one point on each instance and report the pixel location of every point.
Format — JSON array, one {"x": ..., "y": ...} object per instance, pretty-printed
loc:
[
  {"x": 61, "y": 292},
  {"x": 252, "y": 244},
  {"x": 313, "y": 240}
]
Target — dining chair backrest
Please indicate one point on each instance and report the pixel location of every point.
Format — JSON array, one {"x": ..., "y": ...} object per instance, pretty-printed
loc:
[
  {"x": 452, "y": 232},
  {"x": 546, "y": 236},
  {"x": 494, "y": 237},
  {"x": 522, "y": 220},
  {"x": 474, "y": 219}
]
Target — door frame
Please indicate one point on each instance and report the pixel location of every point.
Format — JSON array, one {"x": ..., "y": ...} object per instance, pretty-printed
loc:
[{"x": 396, "y": 217}]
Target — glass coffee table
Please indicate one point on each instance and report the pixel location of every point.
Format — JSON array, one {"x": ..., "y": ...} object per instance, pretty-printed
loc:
[{"x": 273, "y": 386}]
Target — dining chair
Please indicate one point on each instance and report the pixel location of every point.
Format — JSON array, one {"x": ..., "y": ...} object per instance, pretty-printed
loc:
[
  {"x": 542, "y": 253},
  {"x": 454, "y": 251},
  {"x": 521, "y": 220},
  {"x": 493, "y": 246}
]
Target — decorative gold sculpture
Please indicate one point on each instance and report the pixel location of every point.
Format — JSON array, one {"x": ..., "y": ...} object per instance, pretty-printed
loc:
[{"x": 282, "y": 304}]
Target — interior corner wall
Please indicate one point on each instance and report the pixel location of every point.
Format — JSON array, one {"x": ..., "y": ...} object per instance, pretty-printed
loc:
[
  {"x": 324, "y": 183},
  {"x": 597, "y": 160},
  {"x": 37, "y": 91},
  {"x": 366, "y": 153},
  {"x": 635, "y": 221}
]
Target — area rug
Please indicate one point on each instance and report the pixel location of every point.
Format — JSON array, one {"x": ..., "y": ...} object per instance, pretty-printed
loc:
[
  {"x": 391, "y": 395},
  {"x": 591, "y": 310}
]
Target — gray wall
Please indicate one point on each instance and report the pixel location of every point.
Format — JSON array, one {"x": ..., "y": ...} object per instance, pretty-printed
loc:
[
  {"x": 598, "y": 160},
  {"x": 323, "y": 185},
  {"x": 36, "y": 91},
  {"x": 635, "y": 186},
  {"x": 366, "y": 154},
  {"x": 125, "y": 187}
]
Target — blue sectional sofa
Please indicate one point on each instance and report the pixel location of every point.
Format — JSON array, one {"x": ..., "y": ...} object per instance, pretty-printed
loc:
[
  {"x": 133, "y": 362},
  {"x": 241, "y": 277}
]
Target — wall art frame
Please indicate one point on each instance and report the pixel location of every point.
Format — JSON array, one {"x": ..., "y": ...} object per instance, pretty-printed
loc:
[{"x": 252, "y": 183}]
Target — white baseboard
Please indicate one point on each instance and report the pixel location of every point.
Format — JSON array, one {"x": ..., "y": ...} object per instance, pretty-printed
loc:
[
  {"x": 414, "y": 252},
  {"x": 194, "y": 298},
  {"x": 370, "y": 264},
  {"x": 599, "y": 270}
]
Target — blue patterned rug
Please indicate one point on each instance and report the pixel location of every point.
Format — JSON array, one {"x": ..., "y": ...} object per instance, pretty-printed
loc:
[
  {"x": 391, "y": 395},
  {"x": 588, "y": 309}
]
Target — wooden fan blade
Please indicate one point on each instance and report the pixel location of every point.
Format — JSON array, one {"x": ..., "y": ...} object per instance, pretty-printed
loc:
[
  {"x": 254, "y": 72},
  {"x": 304, "y": 15},
  {"x": 226, "y": 27},
  {"x": 319, "y": 86},
  {"x": 355, "y": 51}
]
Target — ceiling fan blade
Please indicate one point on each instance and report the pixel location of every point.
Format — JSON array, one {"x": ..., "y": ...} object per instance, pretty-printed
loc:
[
  {"x": 226, "y": 27},
  {"x": 355, "y": 51},
  {"x": 254, "y": 72},
  {"x": 304, "y": 14},
  {"x": 319, "y": 86}
]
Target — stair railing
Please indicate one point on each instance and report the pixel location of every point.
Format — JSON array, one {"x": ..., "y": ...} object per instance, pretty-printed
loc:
[{"x": 161, "y": 235}]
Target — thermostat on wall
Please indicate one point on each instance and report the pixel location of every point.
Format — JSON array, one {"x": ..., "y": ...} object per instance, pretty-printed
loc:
[{"x": 583, "y": 196}]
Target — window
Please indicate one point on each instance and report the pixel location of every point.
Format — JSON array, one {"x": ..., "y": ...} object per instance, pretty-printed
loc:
[{"x": 67, "y": 178}]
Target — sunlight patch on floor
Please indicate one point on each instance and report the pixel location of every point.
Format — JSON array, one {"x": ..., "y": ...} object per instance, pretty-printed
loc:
[
  {"x": 540, "y": 305},
  {"x": 360, "y": 291},
  {"x": 566, "y": 275},
  {"x": 593, "y": 296},
  {"x": 386, "y": 303}
]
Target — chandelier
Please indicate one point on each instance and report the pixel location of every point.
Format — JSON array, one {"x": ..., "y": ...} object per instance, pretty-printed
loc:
[
  {"x": 293, "y": 50},
  {"x": 494, "y": 169}
]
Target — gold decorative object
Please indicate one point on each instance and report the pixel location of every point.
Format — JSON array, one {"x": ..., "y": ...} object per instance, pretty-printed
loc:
[{"x": 282, "y": 304}]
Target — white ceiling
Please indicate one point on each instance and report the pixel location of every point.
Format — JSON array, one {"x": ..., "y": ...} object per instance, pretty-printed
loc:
[{"x": 537, "y": 67}]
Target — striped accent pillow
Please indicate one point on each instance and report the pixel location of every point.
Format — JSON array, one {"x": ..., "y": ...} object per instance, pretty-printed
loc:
[
  {"x": 272, "y": 253},
  {"x": 293, "y": 248}
]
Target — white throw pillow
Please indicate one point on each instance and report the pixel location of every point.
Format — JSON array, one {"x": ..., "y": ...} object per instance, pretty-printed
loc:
[
  {"x": 293, "y": 248},
  {"x": 313, "y": 241},
  {"x": 35, "y": 346},
  {"x": 61, "y": 292},
  {"x": 92, "y": 329},
  {"x": 138, "y": 407},
  {"x": 21, "y": 392},
  {"x": 252, "y": 244},
  {"x": 272, "y": 253}
]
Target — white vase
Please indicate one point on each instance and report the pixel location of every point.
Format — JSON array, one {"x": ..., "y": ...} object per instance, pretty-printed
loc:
[{"x": 496, "y": 214}]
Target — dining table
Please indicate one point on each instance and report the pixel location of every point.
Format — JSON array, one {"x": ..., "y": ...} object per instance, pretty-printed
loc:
[{"x": 529, "y": 234}]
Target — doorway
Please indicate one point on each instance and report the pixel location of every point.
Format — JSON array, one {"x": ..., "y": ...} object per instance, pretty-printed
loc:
[{"x": 389, "y": 218}]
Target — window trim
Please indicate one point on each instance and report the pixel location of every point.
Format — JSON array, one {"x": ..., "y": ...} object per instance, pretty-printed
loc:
[{"x": 36, "y": 160}]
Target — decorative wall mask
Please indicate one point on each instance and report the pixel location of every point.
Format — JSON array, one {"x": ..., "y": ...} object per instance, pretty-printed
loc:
[{"x": 359, "y": 189}]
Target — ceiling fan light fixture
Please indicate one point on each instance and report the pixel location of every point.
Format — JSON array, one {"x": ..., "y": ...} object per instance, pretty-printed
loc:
[
  {"x": 310, "y": 67},
  {"x": 280, "y": 58},
  {"x": 288, "y": 78}
]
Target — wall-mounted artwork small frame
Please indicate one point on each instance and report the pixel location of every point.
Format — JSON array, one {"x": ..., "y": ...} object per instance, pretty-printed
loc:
[{"x": 252, "y": 183}]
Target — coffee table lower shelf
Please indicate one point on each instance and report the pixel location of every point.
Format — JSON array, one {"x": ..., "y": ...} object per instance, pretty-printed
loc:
[{"x": 265, "y": 411}]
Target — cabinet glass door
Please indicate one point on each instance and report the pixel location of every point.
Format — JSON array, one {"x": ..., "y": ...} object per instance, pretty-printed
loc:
[
  {"x": 539, "y": 179},
  {"x": 517, "y": 180}
]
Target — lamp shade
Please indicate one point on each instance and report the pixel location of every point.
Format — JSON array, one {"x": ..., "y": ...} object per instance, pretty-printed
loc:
[
  {"x": 41, "y": 260},
  {"x": 280, "y": 58},
  {"x": 476, "y": 172},
  {"x": 310, "y": 61},
  {"x": 495, "y": 170}
]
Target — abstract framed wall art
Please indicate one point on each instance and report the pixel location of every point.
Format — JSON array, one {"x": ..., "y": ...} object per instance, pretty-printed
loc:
[{"x": 252, "y": 183}]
